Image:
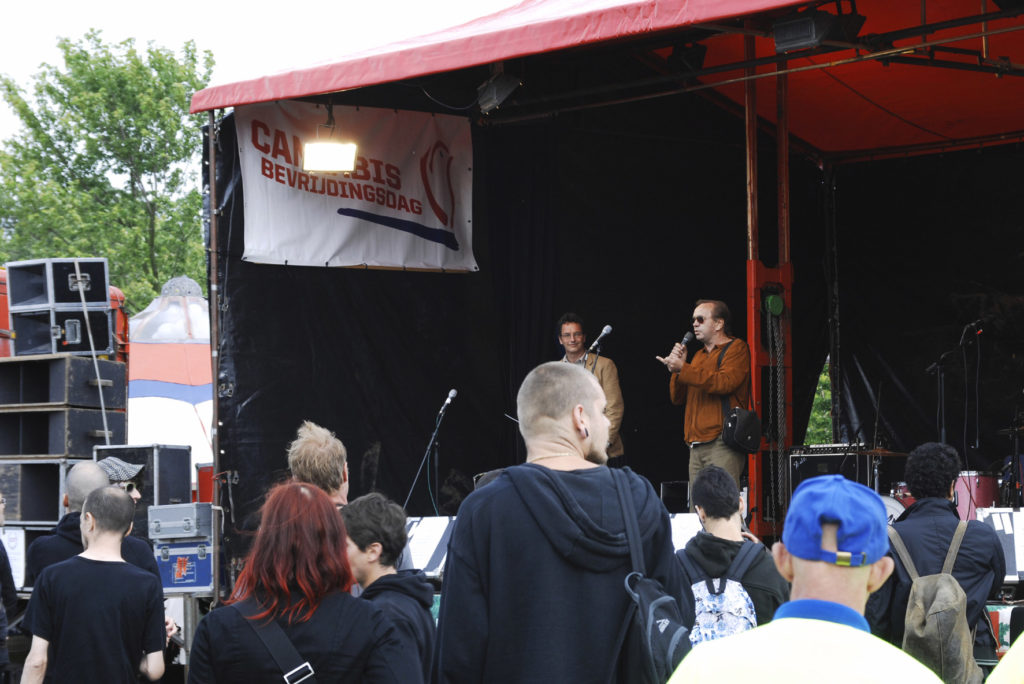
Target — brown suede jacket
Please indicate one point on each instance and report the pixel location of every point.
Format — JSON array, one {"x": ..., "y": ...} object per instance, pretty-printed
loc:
[{"x": 701, "y": 384}]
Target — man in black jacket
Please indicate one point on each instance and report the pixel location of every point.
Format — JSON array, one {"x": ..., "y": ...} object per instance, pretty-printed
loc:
[
  {"x": 65, "y": 540},
  {"x": 717, "y": 500},
  {"x": 376, "y": 537},
  {"x": 927, "y": 528},
  {"x": 533, "y": 582}
]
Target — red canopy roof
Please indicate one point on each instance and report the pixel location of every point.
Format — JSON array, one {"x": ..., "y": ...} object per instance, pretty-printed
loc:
[
  {"x": 531, "y": 27},
  {"x": 851, "y": 106}
]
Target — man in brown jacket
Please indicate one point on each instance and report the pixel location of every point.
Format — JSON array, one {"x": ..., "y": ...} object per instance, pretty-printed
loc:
[
  {"x": 574, "y": 342},
  {"x": 720, "y": 368}
]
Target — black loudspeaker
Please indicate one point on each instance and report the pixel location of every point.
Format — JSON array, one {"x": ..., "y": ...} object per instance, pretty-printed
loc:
[
  {"x": 676, "y": 496},
  {"x": 53, "y": 331},
  {"x": 166, "y": 476},
  {"x": 53, "y": 282},
  {"x": 845, "y": 460},
  {"x": 35, "y": 490},
  {"x": 60, "y": 380},
  {"x": 57, "y": 432}
]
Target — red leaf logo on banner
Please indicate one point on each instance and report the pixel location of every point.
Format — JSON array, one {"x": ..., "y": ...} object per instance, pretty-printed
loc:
[{"x": 436, "y": 172}]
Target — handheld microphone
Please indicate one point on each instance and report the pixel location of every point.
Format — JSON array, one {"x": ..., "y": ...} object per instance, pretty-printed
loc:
[
  {"x": 604, "y": 331},
  {"x": 688, "y": 338}
]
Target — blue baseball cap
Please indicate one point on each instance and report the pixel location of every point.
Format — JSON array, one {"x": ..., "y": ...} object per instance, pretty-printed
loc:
[{"x": 862, "y": 537}]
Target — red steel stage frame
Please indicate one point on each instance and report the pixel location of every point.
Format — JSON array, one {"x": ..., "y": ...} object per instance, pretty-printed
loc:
[{"x": 764, "y": 500}]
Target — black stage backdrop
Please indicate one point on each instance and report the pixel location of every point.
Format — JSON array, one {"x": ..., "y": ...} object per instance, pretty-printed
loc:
[
  {"x": 625, "y": 215},
  {"x": 927, "y": 245}
]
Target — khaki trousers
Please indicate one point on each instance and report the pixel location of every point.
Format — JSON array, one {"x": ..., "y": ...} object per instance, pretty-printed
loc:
[{"x": 716, "y": 453}]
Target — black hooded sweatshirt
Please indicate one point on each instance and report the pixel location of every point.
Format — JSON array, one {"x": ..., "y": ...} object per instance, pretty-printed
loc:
[
  {"x": 407, "y": 598},
  {"x": 533, "y": 587}
]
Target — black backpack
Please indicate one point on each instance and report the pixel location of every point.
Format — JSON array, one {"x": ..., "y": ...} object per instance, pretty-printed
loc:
[{"x": 655, "y": 636}]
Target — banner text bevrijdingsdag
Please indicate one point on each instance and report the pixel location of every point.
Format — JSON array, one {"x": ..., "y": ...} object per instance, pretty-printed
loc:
[{"x": 376, "y": 180}]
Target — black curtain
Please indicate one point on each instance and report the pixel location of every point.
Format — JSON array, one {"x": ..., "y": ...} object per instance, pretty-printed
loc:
[
  {"x": 625, "y": 215},
  {"x": 926, "y": 246}
]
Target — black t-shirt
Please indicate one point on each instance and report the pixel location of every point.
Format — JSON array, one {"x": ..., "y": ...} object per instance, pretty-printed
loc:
[{"x": 100, "y": 618}]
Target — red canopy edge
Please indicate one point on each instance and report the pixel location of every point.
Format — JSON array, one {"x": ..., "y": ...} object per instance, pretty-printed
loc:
[{"x": 531, "y": 27}]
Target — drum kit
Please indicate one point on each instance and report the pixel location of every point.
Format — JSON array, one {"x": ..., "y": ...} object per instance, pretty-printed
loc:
[{"x": 973, "y": 489}]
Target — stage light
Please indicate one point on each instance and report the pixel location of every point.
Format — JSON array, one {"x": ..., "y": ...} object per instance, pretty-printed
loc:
[
  {"x": 495, "y": 90},
  {"x": 810, "y": 28},
  {"x": 328, "y": 156}
]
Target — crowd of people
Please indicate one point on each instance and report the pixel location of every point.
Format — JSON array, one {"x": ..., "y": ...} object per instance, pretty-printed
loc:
[{"x": 534, "y": 580}]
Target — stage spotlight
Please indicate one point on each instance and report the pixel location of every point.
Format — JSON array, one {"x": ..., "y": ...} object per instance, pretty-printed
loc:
[
  {"x": 495, "y": 90},
  {"x": 328, "y": 156},
  {"x": 810, "y": 28}
]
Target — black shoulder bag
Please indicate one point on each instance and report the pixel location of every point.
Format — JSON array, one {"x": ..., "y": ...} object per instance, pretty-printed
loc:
[
  {"x": 656, "y": 636},
  {"x": 741, "y": 428},
  {"x": 295, "y": 668}
]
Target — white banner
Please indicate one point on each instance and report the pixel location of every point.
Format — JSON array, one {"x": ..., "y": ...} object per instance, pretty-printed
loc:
[{"x": 407, "y": 204}]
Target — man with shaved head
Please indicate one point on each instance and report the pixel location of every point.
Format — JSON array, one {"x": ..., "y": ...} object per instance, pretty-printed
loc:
[
  {"x": 65, "y": 540},
  {"x": 533, "y": 582},
  {"x": 95, "y": 617}
]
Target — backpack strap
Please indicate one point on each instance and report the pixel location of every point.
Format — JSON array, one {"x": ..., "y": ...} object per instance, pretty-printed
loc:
[
  {"x": 692, "y": 572},
  {"x": 293, "y": 666},
  {"x": 954, "y": 548},
  {"x": 901, "y": 550},
  {"x": 636, "y": 557},
  {"x": 629, "y": 516},
  {"x": 748, "y": 553}
]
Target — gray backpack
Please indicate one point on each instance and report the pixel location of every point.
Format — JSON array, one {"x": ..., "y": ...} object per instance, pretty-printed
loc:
[{"x": 935, "y": 627}]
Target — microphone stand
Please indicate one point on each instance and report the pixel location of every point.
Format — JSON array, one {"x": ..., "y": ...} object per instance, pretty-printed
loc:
[
  {"x": 940, "y": 411},
  {"x": 430, "y": 448},
  {"x": 586, "y": 357}
]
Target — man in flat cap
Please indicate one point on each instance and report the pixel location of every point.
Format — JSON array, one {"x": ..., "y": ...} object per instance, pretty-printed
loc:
[
  {"x": 834, "y": 551},
  {"x": 123, "y": 474}
]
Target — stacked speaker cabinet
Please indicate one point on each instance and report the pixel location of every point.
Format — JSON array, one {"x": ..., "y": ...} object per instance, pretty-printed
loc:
[
  {"x": 46, "y": 311},
  {"x": 50, "y": 420}
]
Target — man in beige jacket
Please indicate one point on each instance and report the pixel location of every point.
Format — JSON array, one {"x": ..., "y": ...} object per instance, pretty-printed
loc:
[{"x": 574, "y": 342}]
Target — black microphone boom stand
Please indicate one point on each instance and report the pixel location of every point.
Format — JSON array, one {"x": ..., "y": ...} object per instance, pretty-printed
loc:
[
  {"x": 426, "y": 455},
  {"x": 939, "y": 368}
]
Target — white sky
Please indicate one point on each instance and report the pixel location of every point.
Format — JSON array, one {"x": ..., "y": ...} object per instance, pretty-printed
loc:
[{"x": 247, "y": 39}]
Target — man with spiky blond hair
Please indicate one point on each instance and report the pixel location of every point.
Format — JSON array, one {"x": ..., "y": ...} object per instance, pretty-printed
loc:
[{"x": 318, "y": 457}]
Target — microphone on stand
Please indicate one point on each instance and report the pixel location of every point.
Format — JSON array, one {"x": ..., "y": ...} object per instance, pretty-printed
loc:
[
  {"x": 431, "y": 445},
  {"x": 451, "y": 395},
  {"x": 444, "y": 407},
  {"x": 604, "y": 331}
]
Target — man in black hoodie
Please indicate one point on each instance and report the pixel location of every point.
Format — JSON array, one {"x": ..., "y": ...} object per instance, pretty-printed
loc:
[
  {"x": 533, "y": 583},
  {"x": 717, "y": 501},
  {"x": 376, "y": 537},
  {"x": 65, "y": 540}
]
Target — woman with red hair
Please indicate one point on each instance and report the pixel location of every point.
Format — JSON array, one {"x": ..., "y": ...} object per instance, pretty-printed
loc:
[{"x": 298, "y": 576}]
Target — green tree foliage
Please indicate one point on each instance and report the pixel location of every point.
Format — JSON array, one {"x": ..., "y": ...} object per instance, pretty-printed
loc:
[
  {"x": 106, "y": 163},
  {"x": 819, "y": 428}
]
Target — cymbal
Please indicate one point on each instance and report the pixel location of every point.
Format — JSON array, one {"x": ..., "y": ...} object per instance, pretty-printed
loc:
[
  {"x": 1010, "y": 431},
  {"x": 884, "y": 453}
]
